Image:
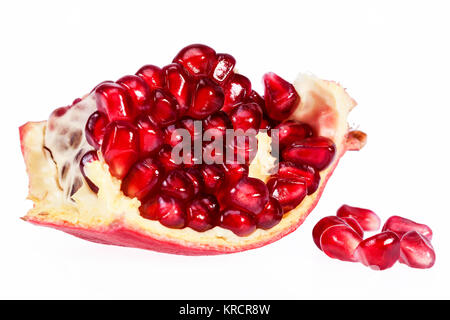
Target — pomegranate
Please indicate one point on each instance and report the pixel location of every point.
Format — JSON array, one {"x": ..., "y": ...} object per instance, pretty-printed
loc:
[
  {"x": 340, "y": 242},
  {"x": 116, "y": 150},
  {"x": 380, "y": 251},
  {"x": 366, "y": 218},
  {"x": 401, "y": 226},
  {"x": 416, "y": 251}
]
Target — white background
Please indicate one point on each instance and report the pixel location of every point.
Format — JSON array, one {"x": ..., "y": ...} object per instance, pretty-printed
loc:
[{"x": 392, "y": 56}]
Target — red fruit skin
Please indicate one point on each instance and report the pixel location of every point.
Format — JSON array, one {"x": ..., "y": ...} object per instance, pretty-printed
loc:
[
  {"x": 367, "y": 219},
  {"x": 323, "y": 225},
  {"x": 416, "y": 251},
  {"x": 380, "y": 251},
  {"x": 152, "y": 75},
  {"x": 401, "y": 226},
  {"x": 340, "y": 242}
]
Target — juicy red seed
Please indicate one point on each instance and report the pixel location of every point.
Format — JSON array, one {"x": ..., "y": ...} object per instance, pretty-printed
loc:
[
  {"x": 317, "y": 152},
  {"x": 234, "y": 172},
  {"x": 196, "y": 179},
  {"x": 189, "y": 125},
  {"x": 165, "y": 157},
  {"x": 164, "y": 108},
  {"x": 290, "y": 193},
  {"x": 249, "y": 194},
  {"x": 401, "y": 226},
  {"x": 213, "y": 177},
  {"x": 352, "y": 223},
  {"x": 138, "y": 91},
  {"x": 150, "y": 136},
  {"x": 340, "y": 242},
  {"x": 265, "y": 124},
  {"x": 197, "y": 59},
  {"x": 380, "y": 251},
  {"x": 217, "y": 124},
  {"x": 178, "y": 185},
  {"x": 246, "y": 116},
  {"x": 169, "y": 211},
  {"x": 95, "y": 129},
  {"x": 280, "y": 96},
  {"x": 203, "y": 213},
  {"x": 236, "y": 90},
  {"x": 223, "y": 67},
  {"x": 366, "y": 218},
  {"x": 177, "y": 82},
  {"x": 255, "y": 97},
  {"x": 213, "y": 152},
  {"x": 416, "y": 251},
  {"x": 88, "y": 157},
  {"x": 291, "y": 131},
  {"x": 308, "y": 174},
  {"x": 120, "y": 147},
  {"x": 208, "y": 98},
  {"x": 114, "y": 101},
  {"x": 270, "y": 216},
  {"x": 171, "y": 135},
  {"x": 142, "y": 179},
  {"x": 239, "y": 222},
  {"x": 152, "y": 75},
  {"x": 323, "y": 225},
  {"x": 243, "y": 148}
]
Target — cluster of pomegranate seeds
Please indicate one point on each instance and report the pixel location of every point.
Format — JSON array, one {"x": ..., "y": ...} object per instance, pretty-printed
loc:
[
  {"x": 136, "y": 129},
  {"x": 342, "y": 237}
]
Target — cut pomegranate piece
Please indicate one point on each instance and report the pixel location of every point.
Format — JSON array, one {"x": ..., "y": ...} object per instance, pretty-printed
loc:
[
  {"x": 142, "y": 179},
  {"x": 317, "y": 152},
  {"x": 150, "y": 136},
  {"x": 246, "y": 116},
  {"x": 366, "y": 218},
  {"x": 138, "y": 90},
  {"x": 88, "y": 157},
  {"x": 280, "y": 96},
  {"x": 237, "y": 89},
  {"x": 308, "y": 174},
  {"x": 164, "y": 108},
  {"x": 401, "y": 226},
  {"x": 223, "y": 67},
  {"x": 287, "y": 191},
  {"x": 178, "y": 185},
  {"x": 270, "y": 216},
  {"x": 239, "y": 222},
  {"x": 416, "y": 251},
  {"x": 177, "y": 82},
  {"x": 291, "y": 131},
  {"x": 249, "y": 194},
  {"x": 234, "y": 172},
  {"x": 197, "y": 59},
  {"x": 203, "y": 213},
  {"x": 114, "y": 101},
  {"x": 95, "y": 129},
  {"x": 213, "y": 178},
  {"x": 169, "y": 211},
  {"x": 208, "y": 98},
  {"x": 352, "y": 223},
  {"x": 380, "y": 251},
  {"x": 324, "y": 224},
  {"x": 340, "y": 242},
  {"x": 120, "y": 147},
  {"x": 165, "y": 157},
  {"x": 152, "y": 75}
]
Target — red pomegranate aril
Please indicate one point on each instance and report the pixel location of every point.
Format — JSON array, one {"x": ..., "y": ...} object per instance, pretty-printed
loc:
[
  {"x": 152, "y": 75},
  {"x": 340, "y": 242},
  {"x": 171, "y": 135},
  {"x": 249, "y": 194},
  {"x": 240, "y": 223},
  {"x": 270, "y": 216},
  {"x": 280, "y": 96},
  {"x": 178, "y": 83},
  {"x": 416, "y": 251},
  {"x": 317, "y": 152},
  {"x": 401, "y": 226},
  {"x": 305, "y": 173},
  {"x": 290, "y": 193},
  {"x": 165, "y": 158},
  {"x": 195, "y": 175},
  {"x": 120, "y": 147},
  {"x": 217, "y": 124},
  {"x": 380, "y": 251},
  {"x": 190, "y": 125},
  {"x": 164, "y": 108},
  {"x": 236, "y": 90},
  {"x": 142, "y": 179},
  {"x": 203, "y": 213},
  {"x": 243, "y": 148},
  {"x": 292, "y": 131},
  {"x": 150, "y": 136},
  {"x": 256, "y": 98},
  {"x": 223, "y": 67},
  {"x": 170, "y": 212},
  {"x": 89, "y": 156},
  {"x": 246, "y": 116},
  {"x": 178, "y": 185},
  {"x": 208, "y": 98},
  {"x": 234, "y": 172},
  {"x": 114, "y": 101},
  {"x": 197, "y": 59},
  {"x": 138, "y": 91},
  {"x": 213, "y": 178},
  {"x": 95, "y": 129},
  {"x": 352, "y": 223},
  {"x": 367, "y": 219},
  {"x": 323, "y": 225}
]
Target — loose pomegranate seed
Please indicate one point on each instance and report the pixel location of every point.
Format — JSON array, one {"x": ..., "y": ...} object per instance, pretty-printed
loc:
[
  {"x": 249, "y": 194},
  {"x": 114, "y": 101},
  {"x": 308, "y": 174},
  {"x": 142, "y": 179},
  {"x": 317, "y": 152},
  {"x": 352, "y": 223},
  {"x": 401, "y": 226},
  {"x": 152, "y": 75},
  {"x": 203, "y": 213},
  {"x": 208, "y": 98},
  {"x": 237, "y": 89},
  {"x": 291, "y": 131},
  {"x": 270, "y": 216},
  {"x": 196, "y": 179},
  {"x": 280, "y": 96},
  {"x": 197, "y": 59},
  {"x": 416, "y": 251},
  {"x": 95, "y": 129},
  {"x": 165, "y": 157},
  {"x": 234, "y": 172},
  {"x": 217, "y": 124},
  {"x": 120, "y": 147},
  {"x": 323, "y": 225},
  {"x": 138, "y": 90},
  {"x": 150, "y": 137},
  {"x": 366, "y": 218},
  {"x": 239, "y": 222},
  {"x": 88, "y": 157},
  {"x": 380, "y": 251},
  {"x": 169, "y": 211},
  {"x": 340, "y": 242},
  {"x": 177, "y": 82},
  {"x": 223, "y": 67},
  {"x": 246, "y": 116},
  {"x": 164, "y": 108},
  {"x": 290, "y": 193},
  {"x": 213, "y": 178},
  {"x": 178, "y": 185}
]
